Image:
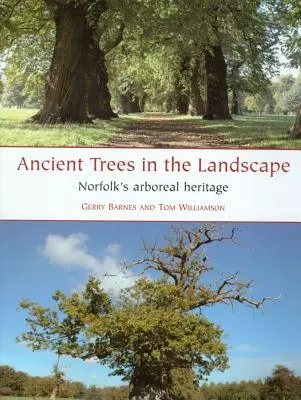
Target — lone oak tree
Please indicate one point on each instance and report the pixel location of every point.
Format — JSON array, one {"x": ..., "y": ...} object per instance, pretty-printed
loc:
[{"x": 153, "y": 331}]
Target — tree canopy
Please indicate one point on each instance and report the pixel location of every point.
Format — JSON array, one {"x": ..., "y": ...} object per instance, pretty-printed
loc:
[
  {"x": 153, "y": 328},
  {"x": 170, "y": 55}
]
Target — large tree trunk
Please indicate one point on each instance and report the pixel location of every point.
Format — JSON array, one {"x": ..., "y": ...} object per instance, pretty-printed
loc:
[
  {"x": 77, "y": 81},
  {"x": 149, "y": 386},
  {"x": 216, "y": 84},
  {"x": 295, "y": 130},
  {"x": 98, "y": 94},
  {"x": 65, "y": 87},
  {"x": 196, "y": 105},
  {"x": 175, "y": 384}
]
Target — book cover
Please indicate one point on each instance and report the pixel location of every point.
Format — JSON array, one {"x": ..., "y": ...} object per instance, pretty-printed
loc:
[{"x": 150, "y": 200}]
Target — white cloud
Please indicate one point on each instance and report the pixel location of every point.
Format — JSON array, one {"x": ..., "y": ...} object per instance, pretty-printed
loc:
[
  {"x": 72, "y": 252},
  {"x": 93, "y": 360},
  {"x": 246, "y": 347}
]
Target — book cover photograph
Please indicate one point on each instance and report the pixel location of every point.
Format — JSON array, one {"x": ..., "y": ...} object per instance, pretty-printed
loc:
[
  {"x": 150, "y": 310},
  {"x": 150, "y": 216},
  {"x": 150, "y": 74}
]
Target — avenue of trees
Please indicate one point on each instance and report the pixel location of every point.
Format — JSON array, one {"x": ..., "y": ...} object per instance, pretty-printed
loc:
[
  {"x": 282, "y": 383},
  {"x": 85, "y": 55},
  {"x": 155, "y": 333},
  {"x": 281, "y": 97}
]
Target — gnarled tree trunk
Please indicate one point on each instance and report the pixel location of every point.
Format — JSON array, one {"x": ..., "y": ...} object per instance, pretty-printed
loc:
[
  {"x": 72, "y": 80},
  {"x": 295, "y": 130},
  {"x": 149, "y": 385},
  {"x": 98, "y": 95},
  {"x": 175, "y": 384},
  {"x": 216, "y": 84}
]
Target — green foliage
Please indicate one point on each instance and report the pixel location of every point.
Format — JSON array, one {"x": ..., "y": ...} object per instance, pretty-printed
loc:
[
  {"x": 245, "y": 390},
  {"x": 148, "y": 60},
  {"x": 185, "y": 385},
  {"x": 11, "y": 380},
  {"x": 153, "y": 328},
  {"x": 127, "y": 334},
  {"x": 282, "y": 384},
  {"x": 292, "y": 98}
]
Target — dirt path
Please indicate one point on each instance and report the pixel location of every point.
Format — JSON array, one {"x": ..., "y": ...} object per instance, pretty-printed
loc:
[{"x": 166, "y": 132}]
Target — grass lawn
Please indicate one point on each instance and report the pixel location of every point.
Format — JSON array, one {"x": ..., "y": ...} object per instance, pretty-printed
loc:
[
  {"x": 243, "y": 131},
  {"x": 15, "y": 130},
  {"x": 266, "y": 131}
]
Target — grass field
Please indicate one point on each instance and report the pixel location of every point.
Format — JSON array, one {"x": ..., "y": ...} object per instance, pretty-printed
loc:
[
  {"x": 15, "y": 130},
  {"x": 243, "y": 131},
  {"x": 266, "y": 131}
]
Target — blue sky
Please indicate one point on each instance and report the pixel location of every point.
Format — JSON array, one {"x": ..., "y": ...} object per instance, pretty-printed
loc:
[{"x": 37, "y": 258}]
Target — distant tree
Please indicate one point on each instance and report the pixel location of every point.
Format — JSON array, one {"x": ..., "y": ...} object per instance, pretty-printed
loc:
[
  {"x": 292, "y": 98},
  {"x": 92, "y": 393},
  {"x": 69, "y": 389},
  {"x": 12, "y": 380},
  {"x": 281, "y": 385},
  {"x": 14, "y": 95},
  {"x": 261, "y": 102}
]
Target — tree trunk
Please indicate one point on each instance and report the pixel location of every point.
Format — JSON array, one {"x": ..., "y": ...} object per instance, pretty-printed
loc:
[
  {"x": 149, "y": 386},
  {"x": 98, "y": 95},
  {"x": 181, "y": 88},
  {"x": 142, "y": 101},
  {"x": 175, "y": 384},
  {"x": 54, "y": 392},
  {"x": 129, "y": 103},
  {"x": 216, "y": 85},
  {"x": 196, "y": 105},
  {"x": 182, "y": 103},
  {"x": 168, "y": 105},
  {"x": 236, "y": 110},
  {"x": 65, "y": 87},
  {"x": 295, "y": 130},
  {"x": 77, "y": 81}
]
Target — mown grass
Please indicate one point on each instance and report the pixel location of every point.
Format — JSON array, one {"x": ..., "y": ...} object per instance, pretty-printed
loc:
[
  {"x": 265, "y": 131},
  {"x": 16, "y": 130},
  {"x": 243, "y": 131}
]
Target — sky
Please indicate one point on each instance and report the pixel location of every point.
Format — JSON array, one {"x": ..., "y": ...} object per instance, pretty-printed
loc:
[{"x": 39, "y": 257}]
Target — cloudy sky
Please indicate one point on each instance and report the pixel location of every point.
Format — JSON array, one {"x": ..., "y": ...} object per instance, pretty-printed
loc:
[{"x": 38, "y": 258}]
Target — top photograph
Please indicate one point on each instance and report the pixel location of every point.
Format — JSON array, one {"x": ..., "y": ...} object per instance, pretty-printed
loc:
[{"x": 150, "y": 73}]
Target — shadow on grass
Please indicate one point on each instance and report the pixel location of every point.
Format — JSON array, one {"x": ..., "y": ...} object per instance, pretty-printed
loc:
[{"x": 17, "y": 129}]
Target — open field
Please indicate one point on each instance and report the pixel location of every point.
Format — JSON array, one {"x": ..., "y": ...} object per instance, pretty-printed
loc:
[{"x": 150, "y": 130}]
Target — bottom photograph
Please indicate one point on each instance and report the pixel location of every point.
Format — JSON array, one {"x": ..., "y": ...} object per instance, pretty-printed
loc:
[{"x": 152, "y": 311}]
